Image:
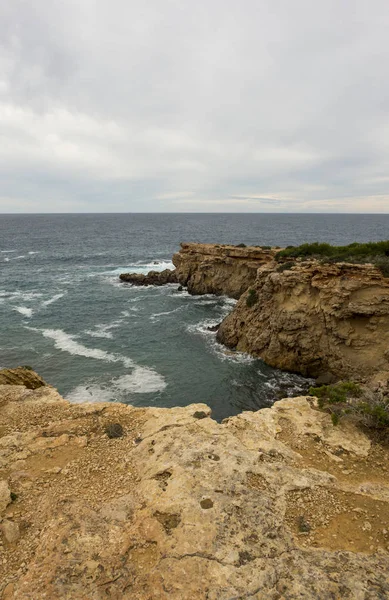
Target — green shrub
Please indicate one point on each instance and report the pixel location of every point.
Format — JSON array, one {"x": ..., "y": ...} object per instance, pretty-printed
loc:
[
  {"x": 241, "y": 246},
  {"x": 335, "y": 394},
  {"x": 266, "y": 247},
  {"x": 382, "y": 263},
  {"x": 335, "y": 418},
  {"x": 355, "y": 252},
  {"x": 252, "y": 298},
  {"x": 286, "y": 266},
  {"x": 340, "y": 399},
  {"x": 374, "y": 414}
]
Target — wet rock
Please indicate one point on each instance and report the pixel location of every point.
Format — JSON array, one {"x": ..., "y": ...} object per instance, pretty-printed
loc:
[
  {"x": 152, "y": 278},
  {"x": 213, "y": 327}
]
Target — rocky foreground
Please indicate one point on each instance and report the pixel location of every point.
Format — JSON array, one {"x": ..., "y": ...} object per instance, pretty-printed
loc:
[{"x": 109, "y": 501}]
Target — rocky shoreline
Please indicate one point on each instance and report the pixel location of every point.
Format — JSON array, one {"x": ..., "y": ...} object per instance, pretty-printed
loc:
[
  {"x": 321, "y": 320},
  {"x": 111, "y": 501}
]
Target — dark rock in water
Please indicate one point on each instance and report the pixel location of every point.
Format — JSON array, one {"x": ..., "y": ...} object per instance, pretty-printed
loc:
[
  {"x": 213, "y": 327},
  {"x": 180, "y": 288},
  {"x": 152, "y": 278},
  {"x": 21, "y": 376}
]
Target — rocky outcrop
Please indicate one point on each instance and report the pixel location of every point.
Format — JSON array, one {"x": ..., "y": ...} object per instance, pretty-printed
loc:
[
  {"x": 152, "y": 278},
  {"x": 273, "y": 504},
  {"x": 314, "y": 318},
  {"x": 21, "y": 376},
  {"x": 219, "y": 269}
]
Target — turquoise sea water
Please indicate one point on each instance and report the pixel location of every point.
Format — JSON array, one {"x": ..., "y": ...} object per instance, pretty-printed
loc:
[{"x": 64, "y": 311}]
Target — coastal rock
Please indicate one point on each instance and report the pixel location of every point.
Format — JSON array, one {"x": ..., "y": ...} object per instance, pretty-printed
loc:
[
  {"x": 21, "y": 376},
  {"x": 5, "y": 495},
  {"x": 152, "y": 278},
  {"x": 314, "y": 319},
  {"x": 273, "y": 504},
  {"x": 219, "y": 269}
]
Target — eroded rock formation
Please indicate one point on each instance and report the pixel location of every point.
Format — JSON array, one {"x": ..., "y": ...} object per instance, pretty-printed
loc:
[
  {"x": 267, "y": 505},
  {"x": 314, "y": 318},
  {"x": 219, "y": 269},
  {"x": 21, "y": 376},
  {"x": 209, "y": 269},
  {"x": 152, "y": 277}
]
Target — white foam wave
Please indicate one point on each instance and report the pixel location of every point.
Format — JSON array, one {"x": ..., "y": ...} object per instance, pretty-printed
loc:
[
  {"x": 18, "y": 257},
  {"x": 102, "y": 330},
  {"x": 90, "y": 393},
  {"x": 6, "y": 251},
  {"x": 219, "y": 350},
  {"x": 53, "y": 299},
  {"x": 141, "y": 267},
  {"x": 141, "y": 381},
  {"x": 24, "y": 310},
  {"x": 99, "y": 333},
  {"x": 154, "y": 316},
  {"x": 65, "y": 342},
  {"x": 34, "y": 252},
  {"x": 6, "y": 259}
]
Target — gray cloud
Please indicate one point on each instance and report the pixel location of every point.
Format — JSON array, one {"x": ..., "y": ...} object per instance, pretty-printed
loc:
[{"x": 261, "y": 105}]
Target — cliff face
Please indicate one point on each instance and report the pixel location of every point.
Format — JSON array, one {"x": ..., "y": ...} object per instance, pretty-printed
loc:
[
  {"x": 314, "y": 318},
  {"x": 218, "y": 269},
  {"x": 273, "y": 504}
]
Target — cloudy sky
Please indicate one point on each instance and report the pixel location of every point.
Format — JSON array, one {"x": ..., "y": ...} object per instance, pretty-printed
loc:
[{"x": 183, "y": 106}]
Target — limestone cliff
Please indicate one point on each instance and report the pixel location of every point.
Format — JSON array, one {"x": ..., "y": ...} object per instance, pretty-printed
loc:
[
  {"x": 314, "y": 318},
  {"x": 219, "y": 269},
  {"x": 110, "y": 501}
]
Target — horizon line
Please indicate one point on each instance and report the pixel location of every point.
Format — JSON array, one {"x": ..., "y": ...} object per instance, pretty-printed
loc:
[{"x": 189, "y": 213}]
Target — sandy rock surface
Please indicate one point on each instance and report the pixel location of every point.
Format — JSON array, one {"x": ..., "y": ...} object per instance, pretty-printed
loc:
[
  {"x": 277, "y": 504},
  {"x": 315, "y": 318}
]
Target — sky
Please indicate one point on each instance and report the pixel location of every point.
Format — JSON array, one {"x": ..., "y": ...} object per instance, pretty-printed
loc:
[{"x": 194, "y": 106}]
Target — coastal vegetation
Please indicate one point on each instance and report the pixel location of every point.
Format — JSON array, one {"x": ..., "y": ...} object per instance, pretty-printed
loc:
[
  {"x": 347, "y": 397},
  {"x": 252, "y": 298},
  {"x": 376, "y": 253}
]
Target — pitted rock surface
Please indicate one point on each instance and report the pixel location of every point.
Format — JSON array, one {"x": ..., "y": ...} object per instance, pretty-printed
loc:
[{"x": 267, "y": 505}]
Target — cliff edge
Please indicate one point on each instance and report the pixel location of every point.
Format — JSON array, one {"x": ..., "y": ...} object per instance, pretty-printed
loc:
[
  {"x": 219, "y": 269},
  {"x": 314, "y": 318},
  {"x": 110, "y": 501}
]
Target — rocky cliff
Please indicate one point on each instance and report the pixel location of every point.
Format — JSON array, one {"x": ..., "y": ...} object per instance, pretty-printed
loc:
[
  {"x": 219, "y": 269},
  {"x": 314, "y": 318},
  {"x": 110, "y": 501}
]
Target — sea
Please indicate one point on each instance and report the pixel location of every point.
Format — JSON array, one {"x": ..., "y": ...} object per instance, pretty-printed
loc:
[{"x": 65, "y": 313}]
